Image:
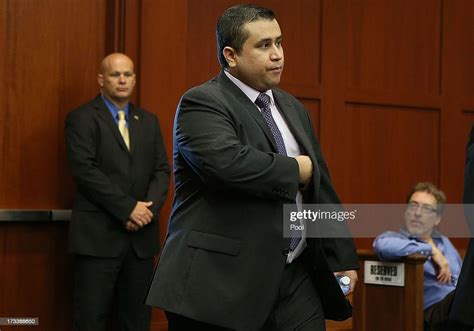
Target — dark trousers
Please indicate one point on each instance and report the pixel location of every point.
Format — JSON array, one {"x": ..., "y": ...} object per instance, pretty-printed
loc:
[
  {"x": 297, "y": 307},
  {"x": 436, "y": 317},
  {"x": 99, "y": 282}
]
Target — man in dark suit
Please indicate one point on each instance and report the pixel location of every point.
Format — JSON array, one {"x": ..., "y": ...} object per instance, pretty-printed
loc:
[
  {"x": 462, "y": 309},
  {"x": 225, "y": 263},
  {"x": 119, "y": 164}
]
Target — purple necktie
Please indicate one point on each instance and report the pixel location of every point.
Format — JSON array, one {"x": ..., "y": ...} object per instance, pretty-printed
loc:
[{"x": 263, "y": 102}]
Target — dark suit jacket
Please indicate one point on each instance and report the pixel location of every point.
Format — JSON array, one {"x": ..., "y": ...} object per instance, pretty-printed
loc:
[
  {"x": 462, "y": 309},
  {"x": 110, "y": 179},
  {"x": 223, "y": 257}
]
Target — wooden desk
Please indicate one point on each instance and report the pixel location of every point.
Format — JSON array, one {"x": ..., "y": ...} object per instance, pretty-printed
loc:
[{"x": 390, "y": 308}]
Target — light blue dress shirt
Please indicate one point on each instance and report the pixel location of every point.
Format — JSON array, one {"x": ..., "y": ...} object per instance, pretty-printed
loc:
[{"x": 392, "y": 245}]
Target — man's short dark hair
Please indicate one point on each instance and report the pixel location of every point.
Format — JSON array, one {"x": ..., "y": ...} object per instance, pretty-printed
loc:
[
  {"x": 230, "y": 27},
  {"x": 433, "y": 190}
]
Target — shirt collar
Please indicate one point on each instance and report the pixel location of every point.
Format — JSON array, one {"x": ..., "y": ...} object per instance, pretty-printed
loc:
[
  {"x": 250, "y": 92},
  {"x": 113, "y": 109}
]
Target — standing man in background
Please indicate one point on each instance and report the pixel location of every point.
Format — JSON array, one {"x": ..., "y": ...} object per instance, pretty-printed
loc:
[
  {"x": 119, "y": 164},
  {"x": 243, "y": 149}
]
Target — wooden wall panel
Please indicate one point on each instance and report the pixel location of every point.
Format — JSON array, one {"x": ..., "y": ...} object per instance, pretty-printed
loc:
[
  {"x": 163, "y": 74},
  {"x": 50, "y": 62},
  {"x": 301, "y": 28},
  {"x": 360, "y": 68},
  {"x": 200, "y": 37},
  {"x": 394, "y": 45},
  {"x": 391, "y": 147},
  {"x": 36, "y": 275},
  {"x": 50, "y": 51},
  {"x": 458, "y": 96},
  {"x": 162, "y": 78},
  {"x": 387, "y": 57},
  {"x": 459, "y": 49},
  {"x": 3, "y": 101}
]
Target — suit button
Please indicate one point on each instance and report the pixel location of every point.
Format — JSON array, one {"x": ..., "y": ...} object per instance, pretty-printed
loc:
[{"x": 286, "y": 251}]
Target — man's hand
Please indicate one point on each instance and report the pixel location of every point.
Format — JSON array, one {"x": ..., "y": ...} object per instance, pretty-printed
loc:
[
  {"x": 444, "y": 271},
  {"x": 352, "y": 274},
  {"x": 141, "y": 215},
  {"x": 306, "y": 168},
  {"x": 130, "y": 226}
]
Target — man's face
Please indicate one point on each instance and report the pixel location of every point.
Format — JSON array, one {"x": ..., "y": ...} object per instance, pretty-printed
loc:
[
  {"x": 117, "y": 79},
  {"x": 260, "y": 62},
  {"x": 420, "y": 214}
]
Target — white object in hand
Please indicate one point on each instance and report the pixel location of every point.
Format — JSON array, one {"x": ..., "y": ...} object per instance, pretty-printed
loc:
[{"x": 344, "y": 283}]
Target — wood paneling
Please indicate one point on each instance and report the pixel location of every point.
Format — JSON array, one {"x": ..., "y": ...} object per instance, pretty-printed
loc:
[
  {"x": 458, "y": 93},
  {"x": 50, "y": 51},
  {"x": 301, "y": 29},
  {"x": 394, "y": 45},
  {"x": 395, "y": 55},
  {"x": 162, "y": 78},
  {"x": 49, "y": 65},
  {"x": 391, "y": 147},
  {"x": 163, "y": 75},
  {"x": 3, "y": 100},
  {"x": 36, "y": 275},
  {"x": 458, "y": 44},
  {"x": 388, "y": 84}
]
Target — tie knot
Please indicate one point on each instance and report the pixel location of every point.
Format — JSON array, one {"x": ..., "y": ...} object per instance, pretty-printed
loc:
[
  {"x": 263, "y": 101},
  {"x": 121, "y": 115}
]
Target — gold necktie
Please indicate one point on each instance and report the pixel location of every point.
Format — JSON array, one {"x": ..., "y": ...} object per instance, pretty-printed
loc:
[{"x": 122, "y": 126}]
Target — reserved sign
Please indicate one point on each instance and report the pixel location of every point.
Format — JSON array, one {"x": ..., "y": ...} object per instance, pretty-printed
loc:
[{"x": 384, "y": 273}]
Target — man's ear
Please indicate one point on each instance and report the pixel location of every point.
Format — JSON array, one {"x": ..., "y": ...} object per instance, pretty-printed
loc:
[
  {"x": 230, "y": 56},
  {"x": 100, "y": 80}
]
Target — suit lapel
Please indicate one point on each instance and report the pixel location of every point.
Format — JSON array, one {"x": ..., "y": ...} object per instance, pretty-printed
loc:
[
  {"x": 250, "y": 107},
  {"x": 296, "y": 128},
  {"x": 106, "y": 116},
  {"x": 287, "y": 111},
  {"x": 134, "y": 125},
  {"x": 293, "y": 122}
]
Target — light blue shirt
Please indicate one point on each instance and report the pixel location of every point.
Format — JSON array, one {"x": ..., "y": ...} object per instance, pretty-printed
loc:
[
  {"x": 395, "y": 245},
  {"x": 114, "y": 110}
]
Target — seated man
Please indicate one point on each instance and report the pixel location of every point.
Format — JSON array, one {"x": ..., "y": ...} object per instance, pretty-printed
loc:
[{"x": 425, "y": 205}]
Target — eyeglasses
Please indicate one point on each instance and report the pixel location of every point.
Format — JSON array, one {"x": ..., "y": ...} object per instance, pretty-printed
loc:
[{"x": 425, "y": 209}]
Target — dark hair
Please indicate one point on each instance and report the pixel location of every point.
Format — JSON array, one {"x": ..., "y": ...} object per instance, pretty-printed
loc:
[
  {"x": 431, "y": 189},
  {"x": 230, "y": 29}
]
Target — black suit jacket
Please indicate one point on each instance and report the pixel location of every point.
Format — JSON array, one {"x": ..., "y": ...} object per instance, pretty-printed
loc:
[
  {"x": 110, "y": 179},
  {"x": 223, "y": 257},
  {"x": 462, "y": 309}
]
